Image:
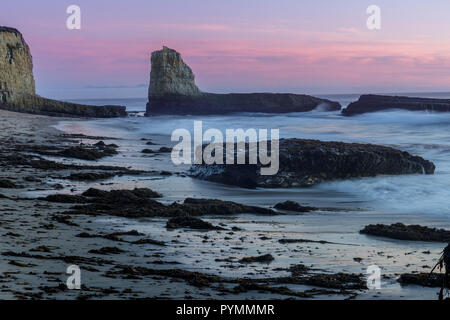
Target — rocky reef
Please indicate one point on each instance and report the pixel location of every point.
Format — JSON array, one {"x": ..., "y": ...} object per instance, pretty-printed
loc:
[
  {"x": 173, "y": 91},
  {"x": 17, "y": 84},
  {"x": 304, "y": 163},
  {"x": 35, "y": 104},
  {"x": 374, "y": 103},
  {"x": 407, "y": 232}
]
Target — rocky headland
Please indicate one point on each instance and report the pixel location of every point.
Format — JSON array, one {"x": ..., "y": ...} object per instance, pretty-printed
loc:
[
  {"x": 173, "y": 91},
  {"x": 17, "y": 84},
  {"x": 304, "y": 163},
  {"x": 373, "y": 103}
]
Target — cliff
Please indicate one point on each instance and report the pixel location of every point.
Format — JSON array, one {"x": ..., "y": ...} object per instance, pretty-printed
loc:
[
  {"x": 374, "y": 103},
  {"x": 16, "y": 65},
  {"x": 173, "y": 91},
  {"x": 17, "y": 85}
]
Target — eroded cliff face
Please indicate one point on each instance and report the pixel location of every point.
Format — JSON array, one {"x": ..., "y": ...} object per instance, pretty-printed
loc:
[
  {"x": 16, "y": 65},
  {"x": 17, "y": 86},
  {"x": 170, "y": 75}
]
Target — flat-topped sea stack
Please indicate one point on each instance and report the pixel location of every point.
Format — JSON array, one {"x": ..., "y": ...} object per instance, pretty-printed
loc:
[
  {"x": 305, "y": 163},
  {"x": 17, "y": 85},
  {"x": 373, "y": 103},
  {"x": 173, "y": 91}
]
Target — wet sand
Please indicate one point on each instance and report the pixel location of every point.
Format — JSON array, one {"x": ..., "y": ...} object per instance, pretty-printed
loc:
[{"x": 40, "y": 239}]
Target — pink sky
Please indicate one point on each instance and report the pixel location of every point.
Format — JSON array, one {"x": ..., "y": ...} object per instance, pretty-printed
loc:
[{"x": 247, "y": 45}]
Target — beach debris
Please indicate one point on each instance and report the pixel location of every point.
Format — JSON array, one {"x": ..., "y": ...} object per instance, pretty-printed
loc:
[
  {"x": 340, "y": 281},
  {"x": 116, "y": 236},
  {"x": 149, "y": 241},
  {"x": 422, "y": 279},
  {"x": 87, "y": 153},
  {"x": 8, "y": 184},
  {"x": 267, "y": 258},
  {"x": 165, "y": 150},
  {"x": 190, "y": 222},
  {"x": 64, "y": 198},
  {"x": 138, "y": 195},
  {"x": 290, "y": 241},
  {"x": 31, "y": 179},
  {"x": 91, "y": 176},
  {"x": 106, "y": 251},
  {"x": 299, "y": 270}
]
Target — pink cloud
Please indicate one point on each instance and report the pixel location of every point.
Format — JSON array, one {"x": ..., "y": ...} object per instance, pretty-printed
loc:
[{"x": 344, "y": 57}]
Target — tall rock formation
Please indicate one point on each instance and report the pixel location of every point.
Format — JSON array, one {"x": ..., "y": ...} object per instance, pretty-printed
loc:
[
  {"x": 17, "y": 86},
  {"x": 173, "y": 91},
  {"x": 16, "y": 65},
  {"x": 170, "y": 75}
]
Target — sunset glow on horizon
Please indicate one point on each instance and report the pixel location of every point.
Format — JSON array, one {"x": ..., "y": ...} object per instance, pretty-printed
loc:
[{"x": 237, "y": 46}]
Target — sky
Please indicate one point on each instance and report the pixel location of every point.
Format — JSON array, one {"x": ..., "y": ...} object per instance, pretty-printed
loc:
[{"x": 312, "y": 47}]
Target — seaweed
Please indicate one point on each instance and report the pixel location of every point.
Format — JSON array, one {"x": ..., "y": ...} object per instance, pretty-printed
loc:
[{"x": 444, "y": 262}]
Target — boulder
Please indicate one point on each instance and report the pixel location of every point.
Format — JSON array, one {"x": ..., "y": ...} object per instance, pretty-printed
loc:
[
  {"x": 293, "y": 206},
  {"x": 191, "y": 223},
  {"x": 374, "y": 103},
  {"x": 173, "y": 91}
]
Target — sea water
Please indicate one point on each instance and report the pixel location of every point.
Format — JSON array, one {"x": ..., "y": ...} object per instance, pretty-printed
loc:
[{"x": 420, "y": 133}]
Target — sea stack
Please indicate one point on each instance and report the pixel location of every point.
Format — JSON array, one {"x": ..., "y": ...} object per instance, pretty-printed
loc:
[
  {"x": 173, "y": 91},
  {"x": 17, "y": 84},
  {"x": 373, "y": 103}
]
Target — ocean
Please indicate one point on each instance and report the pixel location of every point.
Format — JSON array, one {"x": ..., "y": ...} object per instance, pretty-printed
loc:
[{"x": 420, "y": 133}]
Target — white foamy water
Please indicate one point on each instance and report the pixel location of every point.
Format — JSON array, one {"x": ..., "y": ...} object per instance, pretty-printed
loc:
[{"x": 420, "y": 133}]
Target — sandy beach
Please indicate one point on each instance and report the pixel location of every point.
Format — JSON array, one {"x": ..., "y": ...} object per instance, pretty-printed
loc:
[{"x": 41, "y": 239}]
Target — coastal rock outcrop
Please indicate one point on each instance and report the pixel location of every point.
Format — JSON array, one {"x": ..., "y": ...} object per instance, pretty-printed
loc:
[
  {"x": 170, "y": 75},
  {"x": 304, "y": 163},
  {"x": 173, "y": 91},
  {"x": 17, "y": 84},
  {"x": 16, "y": 65},
  {"x": 373, "y": 103},
  {"x": 407, "y": 232}
]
